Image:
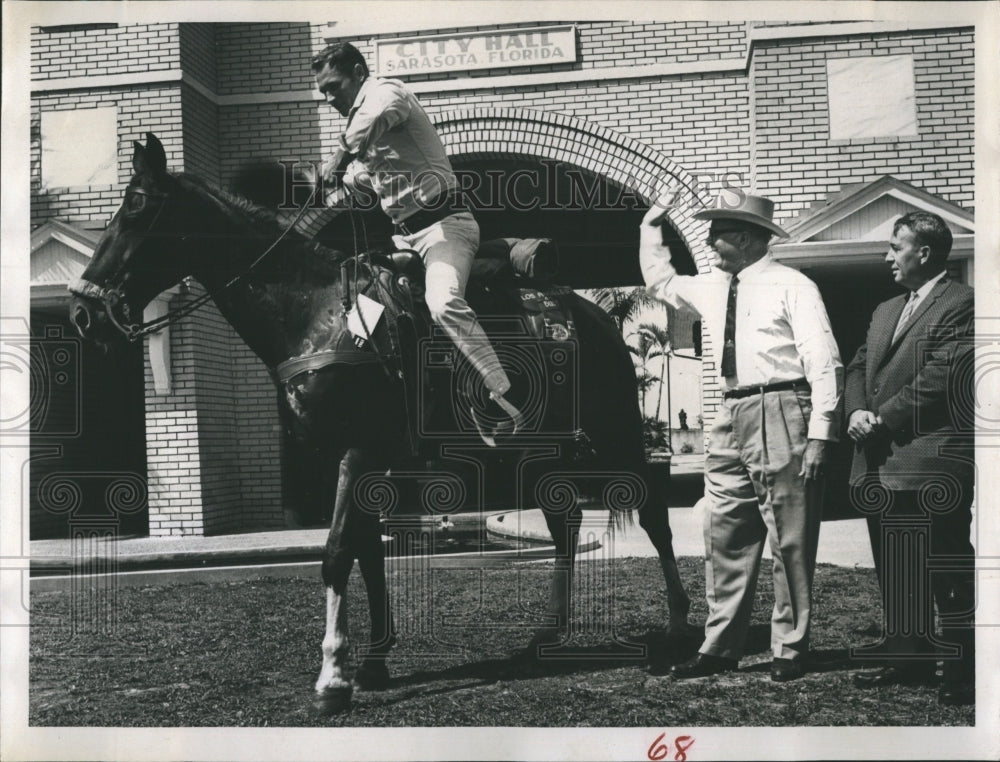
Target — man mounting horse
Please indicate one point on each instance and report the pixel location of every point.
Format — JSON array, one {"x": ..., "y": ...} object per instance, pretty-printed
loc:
[
  {"x": 390, "y": 146},
  {"x": 343, "y": 384}
]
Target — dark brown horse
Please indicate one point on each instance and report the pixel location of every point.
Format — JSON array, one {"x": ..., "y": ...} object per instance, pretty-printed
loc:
[{"x": 288, "y": 299}]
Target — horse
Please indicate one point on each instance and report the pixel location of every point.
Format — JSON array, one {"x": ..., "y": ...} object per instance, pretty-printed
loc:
[{"x": 291, "y": 300}]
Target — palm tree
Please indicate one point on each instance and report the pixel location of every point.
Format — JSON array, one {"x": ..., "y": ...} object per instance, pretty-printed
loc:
[
  {"x": 643, "y": 353},
  {"x": 621, "y": 303},
  {"x": 658, "y": 340}
]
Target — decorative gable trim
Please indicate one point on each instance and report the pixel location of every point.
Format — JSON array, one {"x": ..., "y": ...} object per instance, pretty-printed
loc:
[
  {"x": 849, "y": 202},
  {"x": 856, "y": 222}
]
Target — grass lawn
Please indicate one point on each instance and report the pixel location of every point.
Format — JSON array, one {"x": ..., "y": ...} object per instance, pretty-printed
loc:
[{"x": 247, "y": 654}]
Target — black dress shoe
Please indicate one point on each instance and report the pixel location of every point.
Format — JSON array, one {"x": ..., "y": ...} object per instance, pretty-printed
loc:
[
  {"x": 783, "y": 670},
  {"x": 884, "y": 676},
  {"x": 957, "y": 695},
  {"x": 703, "y": 665}
]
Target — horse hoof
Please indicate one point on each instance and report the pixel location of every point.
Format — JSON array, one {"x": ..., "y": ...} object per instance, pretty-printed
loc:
[
  {"x": 372, "y": 676},
  {"x": 330, "y": 701}
]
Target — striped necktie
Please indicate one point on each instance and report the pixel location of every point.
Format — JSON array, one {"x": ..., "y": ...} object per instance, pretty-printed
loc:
[
  {"x": 911, "y": 305},
  {"x": 729, "y": 337}
]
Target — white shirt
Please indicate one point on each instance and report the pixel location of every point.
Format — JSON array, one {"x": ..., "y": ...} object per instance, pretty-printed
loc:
[
  {"x": 400, "y": 154},
  {"x": 782, "y": 329}
]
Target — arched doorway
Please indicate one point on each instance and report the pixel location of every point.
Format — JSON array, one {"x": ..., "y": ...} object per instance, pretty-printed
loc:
[
  {"x": 594, "y": 220},
  {"x": 574, "y": 155}
]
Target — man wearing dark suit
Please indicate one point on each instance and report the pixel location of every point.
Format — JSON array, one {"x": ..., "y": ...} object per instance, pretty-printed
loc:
[{"x": 909, "y": 406}]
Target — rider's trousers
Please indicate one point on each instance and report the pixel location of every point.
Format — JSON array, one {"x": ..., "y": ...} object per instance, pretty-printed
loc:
[{"x": 448, "y": 248}]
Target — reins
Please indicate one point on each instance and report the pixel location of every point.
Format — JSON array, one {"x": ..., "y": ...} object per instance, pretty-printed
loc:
[{"x": 110, "y": 296}]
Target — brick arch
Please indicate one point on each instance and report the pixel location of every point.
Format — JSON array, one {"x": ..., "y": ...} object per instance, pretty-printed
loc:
[{"x": 485, "y": 133}]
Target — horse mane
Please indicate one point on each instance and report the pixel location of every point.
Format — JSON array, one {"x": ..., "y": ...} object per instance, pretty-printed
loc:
[
  {"x": 259, "y": 216},
  {"x": 313, "y": 259}
]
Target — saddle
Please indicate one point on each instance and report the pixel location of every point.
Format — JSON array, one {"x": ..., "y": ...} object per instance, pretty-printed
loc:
[
  {"x": 510, "y": 276},
  {"x": 529, "y": 321}
]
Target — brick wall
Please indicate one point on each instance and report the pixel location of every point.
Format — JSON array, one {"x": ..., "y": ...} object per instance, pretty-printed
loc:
[
  {"x": 694, "y": 121},
  {"x": 57, "y": 52},
  {"x": 156, "y": 109},
  {"x": 256, "y": 58},
  {"x": 257, "y": 439},
  {"x": 200, "y": 130},
  {"x": 173, "y": 450},
  {"x": 798, "y": 165},
  {"x": 198, "y": 54},
  {"x": 212, "y": 442},
  {"x": 272, "y": 131},
  {"x": 264, "y": 58}
]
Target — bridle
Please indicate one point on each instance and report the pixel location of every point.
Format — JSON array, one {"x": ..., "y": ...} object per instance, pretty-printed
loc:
[{"x": 110, "y": 296}]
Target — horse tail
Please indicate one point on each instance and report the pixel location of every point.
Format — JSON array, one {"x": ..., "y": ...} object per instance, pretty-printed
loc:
[
  {"x": 615, "y": 432},
  {"x": 619, "y": 520}
]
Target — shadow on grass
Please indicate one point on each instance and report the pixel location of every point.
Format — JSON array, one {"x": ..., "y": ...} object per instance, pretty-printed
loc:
[{"x": 656, "y": 646}]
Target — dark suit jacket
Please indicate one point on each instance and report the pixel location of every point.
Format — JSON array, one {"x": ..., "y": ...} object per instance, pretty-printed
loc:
[{"x": 921, "y": 385}]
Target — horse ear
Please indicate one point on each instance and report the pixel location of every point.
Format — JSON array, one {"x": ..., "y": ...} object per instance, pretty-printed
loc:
[
  {"x": 138, "y": 157},
  {"x": 150, "y": 158}
]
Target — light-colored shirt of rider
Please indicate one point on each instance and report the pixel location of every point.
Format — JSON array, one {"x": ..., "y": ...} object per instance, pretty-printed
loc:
[
  {"x": 399, "y": 153},
  {"x": 782, "y": 330}
]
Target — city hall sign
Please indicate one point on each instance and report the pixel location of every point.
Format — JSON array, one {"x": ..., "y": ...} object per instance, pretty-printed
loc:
[{"x": 476, "y": 50}]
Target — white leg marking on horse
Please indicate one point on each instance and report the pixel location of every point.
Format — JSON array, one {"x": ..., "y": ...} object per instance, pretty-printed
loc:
[{"x": 335, "y": 644}]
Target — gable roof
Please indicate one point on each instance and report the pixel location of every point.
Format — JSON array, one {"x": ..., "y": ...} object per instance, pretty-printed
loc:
[
  {"x": 866, "y": 212},
  {"x": 60, "y": 251}
]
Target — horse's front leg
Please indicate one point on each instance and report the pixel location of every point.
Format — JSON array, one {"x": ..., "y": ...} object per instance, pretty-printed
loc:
[
  {"x": 373, "y": 674},
  {"x": 333, "y": 689}
]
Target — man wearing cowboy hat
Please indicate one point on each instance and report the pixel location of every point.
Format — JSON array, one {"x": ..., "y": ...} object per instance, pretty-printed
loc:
[{"x": 782, "y": 381}]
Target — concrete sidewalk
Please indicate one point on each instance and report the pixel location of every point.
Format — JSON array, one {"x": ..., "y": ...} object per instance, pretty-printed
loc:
[
  {"x": 841, "y": 543},
  {"x": 844, "y": 543}
]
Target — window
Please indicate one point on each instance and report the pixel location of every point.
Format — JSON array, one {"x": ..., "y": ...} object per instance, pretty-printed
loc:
[
  {"x": 871, "y": 97},
  {"x": 80, "y": 148}
]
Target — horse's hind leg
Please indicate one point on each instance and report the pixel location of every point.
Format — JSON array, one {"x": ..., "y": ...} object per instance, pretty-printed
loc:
[
  {"x": 333, "y": 690},
  {"x": 565, "y": 530},
  {"x": 654, "y": 520}
]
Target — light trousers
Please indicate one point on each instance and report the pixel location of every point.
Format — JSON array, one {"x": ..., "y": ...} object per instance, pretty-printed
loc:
[
  {"x": 448, "y": 248},
  {"x": 754, "y": 493}
]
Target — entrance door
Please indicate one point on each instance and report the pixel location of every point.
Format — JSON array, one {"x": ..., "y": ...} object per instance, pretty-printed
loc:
[
  {"x": 851, "y": 294},
  {"x": 88, "y": 435}
]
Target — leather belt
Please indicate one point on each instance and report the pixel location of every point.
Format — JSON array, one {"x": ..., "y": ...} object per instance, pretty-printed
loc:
[
  {"x": 452, "y": 204},
  {"x": 780, "y": 386}
]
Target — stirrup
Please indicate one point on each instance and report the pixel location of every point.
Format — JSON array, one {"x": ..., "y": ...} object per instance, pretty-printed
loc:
[{"x": 503, "y": 428}]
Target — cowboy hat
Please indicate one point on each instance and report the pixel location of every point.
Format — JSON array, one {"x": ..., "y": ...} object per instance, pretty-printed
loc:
[{"x": 756, "y": 210}]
